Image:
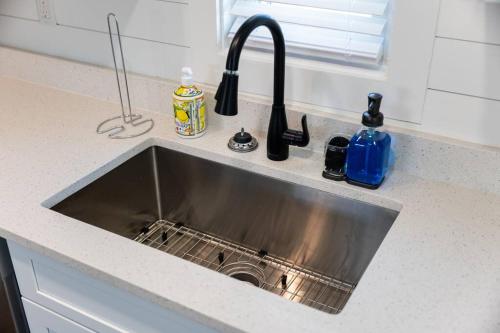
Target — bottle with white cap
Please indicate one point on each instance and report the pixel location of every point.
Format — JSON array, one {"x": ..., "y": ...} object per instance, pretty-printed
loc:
[{"x": 189, "y": 107}]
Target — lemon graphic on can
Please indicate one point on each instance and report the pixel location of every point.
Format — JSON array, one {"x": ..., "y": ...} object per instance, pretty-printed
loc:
[{"x": 182, "y": 115}]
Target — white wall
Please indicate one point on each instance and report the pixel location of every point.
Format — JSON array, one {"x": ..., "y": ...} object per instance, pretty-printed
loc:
[
  {"x": 463, "y": 99},
  {"x": 461, "y": 86},
  {"x": 156, "y": 42}
]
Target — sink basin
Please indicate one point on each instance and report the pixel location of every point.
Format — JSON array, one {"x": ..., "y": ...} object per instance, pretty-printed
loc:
[{"x": 303, "y": 244}]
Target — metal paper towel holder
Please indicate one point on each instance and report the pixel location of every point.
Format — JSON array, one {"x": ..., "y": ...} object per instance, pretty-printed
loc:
[{"x": 128, "y": 124}]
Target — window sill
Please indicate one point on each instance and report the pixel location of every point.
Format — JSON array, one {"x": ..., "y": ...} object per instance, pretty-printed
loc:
[{"x": 379, "y": 74}]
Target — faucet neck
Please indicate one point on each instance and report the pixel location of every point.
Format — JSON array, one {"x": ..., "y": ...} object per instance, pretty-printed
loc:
[{"x": 239, "y": 40}]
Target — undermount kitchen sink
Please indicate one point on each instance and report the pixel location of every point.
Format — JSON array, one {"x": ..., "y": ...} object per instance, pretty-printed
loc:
[{"x": 303, "y": 244}]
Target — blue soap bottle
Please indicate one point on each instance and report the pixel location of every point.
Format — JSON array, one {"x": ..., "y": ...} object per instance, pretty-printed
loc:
[{"x": 369, "y": 149}]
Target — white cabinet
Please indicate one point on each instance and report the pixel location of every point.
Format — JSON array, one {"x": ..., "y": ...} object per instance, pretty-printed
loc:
[
  {"x": 93, "y": 305},
  {"x": 42, "y": 320}
]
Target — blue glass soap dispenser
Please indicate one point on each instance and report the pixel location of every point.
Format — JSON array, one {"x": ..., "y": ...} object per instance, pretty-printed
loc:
[{"x": 369, "y": 149}]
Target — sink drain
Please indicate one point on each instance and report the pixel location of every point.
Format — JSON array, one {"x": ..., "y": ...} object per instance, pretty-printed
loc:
[{"x": 246, "y": 272}]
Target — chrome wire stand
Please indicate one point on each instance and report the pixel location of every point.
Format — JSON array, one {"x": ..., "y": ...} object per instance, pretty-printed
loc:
[
  {"x": 256, "y": 267},
  {"x": 128, "y": 124}
]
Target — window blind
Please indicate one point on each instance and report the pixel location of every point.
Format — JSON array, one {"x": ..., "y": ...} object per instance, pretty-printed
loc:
[{"x": 351, "y": 31}]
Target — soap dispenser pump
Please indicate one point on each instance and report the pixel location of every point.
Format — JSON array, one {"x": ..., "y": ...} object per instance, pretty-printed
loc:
[{"x": 369, "y": 149}]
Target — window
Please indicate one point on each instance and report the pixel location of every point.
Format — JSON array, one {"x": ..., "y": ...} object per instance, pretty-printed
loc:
[
  {"x": 407, "y": 33},
  {"x": 345, "y": 31}
]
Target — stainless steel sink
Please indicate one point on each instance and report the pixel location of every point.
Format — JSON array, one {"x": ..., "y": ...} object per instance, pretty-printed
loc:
[{"x": 306, "y": 245}]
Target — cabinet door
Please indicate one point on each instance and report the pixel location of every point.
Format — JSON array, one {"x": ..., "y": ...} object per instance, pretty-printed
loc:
[
  {"x": 92, "y": 303},
  {"x": 41, "y": 320}
]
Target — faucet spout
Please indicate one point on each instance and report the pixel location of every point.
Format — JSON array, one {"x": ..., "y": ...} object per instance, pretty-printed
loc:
[{"x": 279, "y": 137}]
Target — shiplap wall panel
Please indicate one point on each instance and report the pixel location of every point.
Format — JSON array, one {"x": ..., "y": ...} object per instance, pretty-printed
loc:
[
  {"x": 462, "y": 117},
  {"x": 466, "y": 68},
  {"x": 463, "y": 101},
  {"x": 141, "y": 56},
  {"x": 162, "y": 21},
  {"x": 473, "y": 20},
  {"x": 19, "y": 8}
]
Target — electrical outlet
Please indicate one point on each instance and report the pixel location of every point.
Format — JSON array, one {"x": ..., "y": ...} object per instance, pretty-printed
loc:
[{"x": 46, "y": 12}]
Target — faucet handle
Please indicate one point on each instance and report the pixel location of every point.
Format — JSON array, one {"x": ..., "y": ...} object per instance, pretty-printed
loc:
[{"x": 298, "y": 138}]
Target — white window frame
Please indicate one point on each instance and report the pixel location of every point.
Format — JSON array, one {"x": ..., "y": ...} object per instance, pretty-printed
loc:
[
  {"x": 327, "y": 86},
  {"x": 367, "y": 33}
]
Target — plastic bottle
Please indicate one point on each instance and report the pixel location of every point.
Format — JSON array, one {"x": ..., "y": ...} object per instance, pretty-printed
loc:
[
  {"x": 189, "y": 107},
  {"x": 369, "y": 149}
]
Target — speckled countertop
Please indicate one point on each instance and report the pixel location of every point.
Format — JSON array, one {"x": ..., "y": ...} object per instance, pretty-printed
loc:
[{"x": 437, "y": 270}]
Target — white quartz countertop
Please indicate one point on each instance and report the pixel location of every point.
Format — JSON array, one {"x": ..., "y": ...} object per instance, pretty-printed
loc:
[{"x": 437, "y": 270}]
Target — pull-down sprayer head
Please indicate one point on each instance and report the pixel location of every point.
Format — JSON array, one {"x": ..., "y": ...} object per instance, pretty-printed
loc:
[{"x": 227, "y": 95}]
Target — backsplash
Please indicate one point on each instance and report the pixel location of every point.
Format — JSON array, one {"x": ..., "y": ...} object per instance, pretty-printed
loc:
[{"x": 422, "y": 155}]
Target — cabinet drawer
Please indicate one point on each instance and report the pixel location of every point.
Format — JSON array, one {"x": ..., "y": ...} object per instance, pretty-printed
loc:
[
  {"x": 42, "y": 320},
  {"x": 91, "y": 302},
  {"x": 473, "y": 20}
]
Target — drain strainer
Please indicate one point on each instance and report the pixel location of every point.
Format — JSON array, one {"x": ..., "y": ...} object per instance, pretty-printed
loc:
[{"x": 245, "y": 271}]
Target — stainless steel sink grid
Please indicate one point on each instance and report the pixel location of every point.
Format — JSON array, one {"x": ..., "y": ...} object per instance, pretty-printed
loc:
[
  {"x": 270, "y": 273},
  {"x": 303, "y": 244}
]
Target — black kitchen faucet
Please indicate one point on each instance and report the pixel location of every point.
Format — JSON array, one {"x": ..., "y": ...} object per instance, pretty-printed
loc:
[{"x": 279, "y": 137}]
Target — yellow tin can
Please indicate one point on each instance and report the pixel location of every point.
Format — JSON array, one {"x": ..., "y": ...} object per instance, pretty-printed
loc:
[{"x": 189, "y": 108}]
